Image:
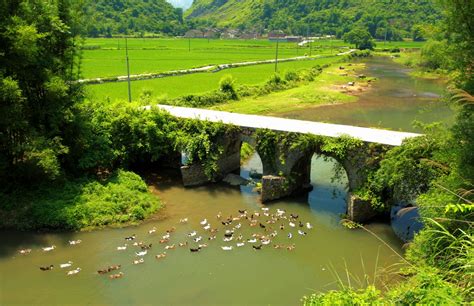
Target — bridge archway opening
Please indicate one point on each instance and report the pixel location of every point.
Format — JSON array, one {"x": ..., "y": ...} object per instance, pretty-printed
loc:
[
  {"x": 330, "y": 186},
  {"x": 251, "y": 166}
]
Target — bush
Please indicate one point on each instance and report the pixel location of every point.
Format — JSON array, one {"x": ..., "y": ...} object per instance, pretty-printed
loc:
[
  {"x": 367, "y": 296},
  {"x": 226, "y": 85},
  {"x": 81, "y": 203}
]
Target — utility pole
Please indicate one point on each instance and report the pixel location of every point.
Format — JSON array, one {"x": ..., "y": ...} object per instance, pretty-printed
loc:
[
  {"x": 309, "y": 40},
  {"x": 276, "y": 56},
  {"x": 128, "y": 72}
]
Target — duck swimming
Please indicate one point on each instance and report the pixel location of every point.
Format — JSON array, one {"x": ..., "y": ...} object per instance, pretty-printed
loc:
[
  {"x": 49, "y": 249},
  {"x": 301, "y": 233},
  {"x": 308, "y": 225},
  {"x": 161, "y": 256},
  {"x": 75, "y": 242},
  {"x": 122, "y": 248},
  {"x": 291, "y": 224},
  {"x": 47, "y": 268},
  {"x": 183, "y": 221},
  {"x": 255, "y": 247},
  {"x": 290, "y": 235},
  {"x": 138, "y": 261},
  {"x": 164, "y": 241},
  {"x": 240, "y": 244},
  {"x": 192, "y": 234},
  {"x": 142, "y": 253},
  {"x": 227, "y": 239},
  {"x": 194, "y": 250},
  {"x": 65, "y": 265},
  {"x": 207, "y": 227},
  {"x": 252, "y": 240},
  {"x": 197, "y": 239},
  {"x": 114, "y": 267},
  {"x": 130, "y": 238},
  {"x": 183, "y": 244},
  {"x": 170, "y": 247},
  {"x": 203, "y": 222},
  {"x": 25, "y": 251},
  {"x": 73, "y": 272},
  {"x": 227, "y": 248},
  {"x": 152, "y": 231},
  {"x": 115, "y": 276}
]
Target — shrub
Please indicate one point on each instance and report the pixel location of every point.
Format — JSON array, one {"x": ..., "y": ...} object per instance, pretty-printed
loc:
[
  {"x": 80, "y": 203},
  {"x": 226, "y": 85}
]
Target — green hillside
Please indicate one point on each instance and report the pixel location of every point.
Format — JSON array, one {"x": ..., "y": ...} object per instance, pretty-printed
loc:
[
  {"x": 106, "y": 18},
  {"x": 394, "y": 18}
]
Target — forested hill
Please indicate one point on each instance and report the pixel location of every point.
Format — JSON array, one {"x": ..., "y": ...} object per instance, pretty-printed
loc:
[
  {"x": 323, "y": 16},
  {"x": 111, "y": 17}
]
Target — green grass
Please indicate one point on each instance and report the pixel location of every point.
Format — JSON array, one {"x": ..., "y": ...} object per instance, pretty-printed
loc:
[
  {"x": 160, "y": 55},
  {"x": 322, "y": 91},
  {"x": 173, "y": 87},
  {"x": 80, "y": 204}
]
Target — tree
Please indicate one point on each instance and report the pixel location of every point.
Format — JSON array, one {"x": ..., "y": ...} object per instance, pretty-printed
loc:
[
  {"x": 361, "y": 38},
  {"x": 37, "y": 48}
]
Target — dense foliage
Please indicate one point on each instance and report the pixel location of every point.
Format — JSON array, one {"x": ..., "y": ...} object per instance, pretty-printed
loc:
[
  {"x": 37, "y": 50},
  {"x": 132, "y": 17},
  {"x": 80, "y": 203},
  {"x": 386, "y": 19}
]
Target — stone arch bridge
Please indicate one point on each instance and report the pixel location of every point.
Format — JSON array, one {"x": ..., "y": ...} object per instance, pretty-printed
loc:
[{"x": 285, "y": 176}]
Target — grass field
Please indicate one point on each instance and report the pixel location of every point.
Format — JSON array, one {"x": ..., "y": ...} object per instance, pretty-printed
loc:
[
  {"x": 106, "y": 57},
  {"x": 324, "y": 90},
  {"x": 172, "y": 87}
]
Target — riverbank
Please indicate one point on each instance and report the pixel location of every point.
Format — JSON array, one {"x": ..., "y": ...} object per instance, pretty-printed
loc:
[
  {"x": 339, "y": 83},
  {"x": 80, "y": 204}
]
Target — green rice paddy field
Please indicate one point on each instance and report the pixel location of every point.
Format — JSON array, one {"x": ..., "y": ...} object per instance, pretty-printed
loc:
[
  {"x": 104, "y": 57},
  {"x": 172, "y": 87}
]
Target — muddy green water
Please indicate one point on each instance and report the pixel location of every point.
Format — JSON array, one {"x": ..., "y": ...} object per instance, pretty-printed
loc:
[
  {"x": 242, "y": 276},
  {"x": 395, "y": 101}
]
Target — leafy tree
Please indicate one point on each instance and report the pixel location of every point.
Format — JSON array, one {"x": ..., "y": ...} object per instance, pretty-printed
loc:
[
  {"x": 37, "y": 50},
  {"x": 361, "y": 38}
]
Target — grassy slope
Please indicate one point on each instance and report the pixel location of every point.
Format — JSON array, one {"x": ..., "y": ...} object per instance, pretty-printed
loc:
[
  {"x": 80, "y": 204},
  {"x": 322, "y": 91},
  {"x": 197, "y": 83}
]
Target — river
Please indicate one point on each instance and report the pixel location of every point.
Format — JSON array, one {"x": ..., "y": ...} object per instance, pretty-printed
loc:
[{"x": 242, "y": 276}]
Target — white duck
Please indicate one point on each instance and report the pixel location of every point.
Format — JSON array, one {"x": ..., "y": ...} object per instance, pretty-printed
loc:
[
  {"x": 240, "y": 244},
  {"x": 152, "y": 231},
  {"x": 141, "y": 253},
  {"x": 122, "y": 248},
  {"x": 227, "y": 248},
  {"x": 204, "y": 222},
  {"x": 291, "y": 224},
  {"x": 167, "y": 236},
  {"x": 290, "y": 235},
  {"x": 252, "y": 240},
  {"x": 192, "y": 234},
  {"x": 65, "y": 265},
  {"x": 265, "y": 208},
  {"x": 308, "y": 225},
  {"x": 227, "y": 239},
  {"x": 74, "y": 242},
  {"x": 301, "y": 233},
  {"x": 197, "y": 239},
  {"x": 238, "y": 226},
  {"x": 73, "y": 272},
  {"x": 183, "y": 221},
  {"x": 265, "y": 242},
  {"x": 49, "y": 249},
  {"x": 207, "y": 227}
]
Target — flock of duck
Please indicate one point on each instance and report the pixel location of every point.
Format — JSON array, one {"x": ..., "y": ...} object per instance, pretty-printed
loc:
[{"x": 269, "y": 225}]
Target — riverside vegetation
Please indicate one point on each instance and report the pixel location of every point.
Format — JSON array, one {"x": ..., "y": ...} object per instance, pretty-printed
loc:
[{"x": 65, "y": 161}]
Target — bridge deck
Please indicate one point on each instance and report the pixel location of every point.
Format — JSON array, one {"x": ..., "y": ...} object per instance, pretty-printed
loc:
[{"x": 289, "y": 125}]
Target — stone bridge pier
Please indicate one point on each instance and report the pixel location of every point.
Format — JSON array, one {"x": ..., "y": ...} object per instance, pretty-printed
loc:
[{"x": 287, "y": 169}]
